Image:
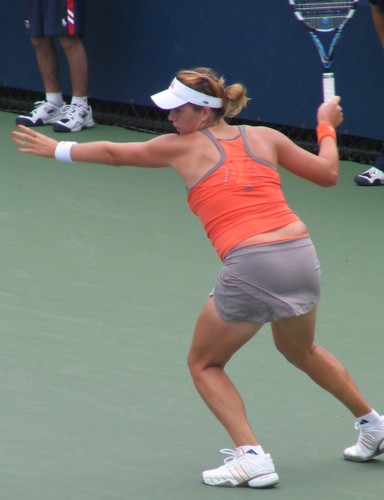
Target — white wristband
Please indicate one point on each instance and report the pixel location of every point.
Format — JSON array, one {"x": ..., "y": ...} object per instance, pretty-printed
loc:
[{"x": 63, "y": 151}]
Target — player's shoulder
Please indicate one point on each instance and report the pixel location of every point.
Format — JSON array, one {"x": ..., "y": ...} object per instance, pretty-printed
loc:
[
  {"x": 174, "y": 143},
  {"x": 261, "y": 130}
]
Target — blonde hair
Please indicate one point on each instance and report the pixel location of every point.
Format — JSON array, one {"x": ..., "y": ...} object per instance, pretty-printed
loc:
[{"x": 206, "y": 81}]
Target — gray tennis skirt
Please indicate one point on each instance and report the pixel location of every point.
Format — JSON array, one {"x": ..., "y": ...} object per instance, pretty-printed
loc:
[{"x": 268, "y": 282}]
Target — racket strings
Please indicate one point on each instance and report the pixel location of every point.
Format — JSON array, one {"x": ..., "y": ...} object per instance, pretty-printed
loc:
[
  {"x": 324, "y": 15},
  {"x": 330, "y": 4}
]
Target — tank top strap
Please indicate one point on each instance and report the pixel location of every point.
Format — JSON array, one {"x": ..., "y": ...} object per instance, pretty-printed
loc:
[
  {"x": 216, "y": 142},
  {"x": 220, "y": 161},
  {"x": 249, "y": 152}
]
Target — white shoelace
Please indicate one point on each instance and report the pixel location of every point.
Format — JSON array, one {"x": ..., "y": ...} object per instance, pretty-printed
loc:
[
  {"x": 232, "y": 455},
  {"x": 37, "y": 104}
]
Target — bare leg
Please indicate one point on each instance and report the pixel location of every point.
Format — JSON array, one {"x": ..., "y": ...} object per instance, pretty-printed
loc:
[
  {"x": 78, "y": 64},
  {"x": 213, "y": 344},
  {"x": 47, "y": 62},
  {"x": 294, "y": 338}
]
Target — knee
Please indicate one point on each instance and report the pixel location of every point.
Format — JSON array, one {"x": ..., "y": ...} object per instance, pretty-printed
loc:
[
  {"x": 300, "y": 358},
  {"x": 41, "y": 42},
  {"x": 200, "y": 366},
  {"x": 68, "y": 43},
  {"x": 194, "y": 365}
]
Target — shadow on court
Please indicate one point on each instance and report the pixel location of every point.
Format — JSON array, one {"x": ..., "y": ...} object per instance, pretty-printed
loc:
[{"x": 104, "y": 271}]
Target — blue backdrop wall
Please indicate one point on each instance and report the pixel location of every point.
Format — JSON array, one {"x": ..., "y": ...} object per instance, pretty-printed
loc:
[{"x": 135, "y": 47}]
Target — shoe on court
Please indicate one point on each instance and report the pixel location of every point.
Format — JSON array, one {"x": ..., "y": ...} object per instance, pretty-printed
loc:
[
  {"x": 242, "y": 469},
  {"x": 371, "y": 177},
  {"x": 43, "y": 113},
  {"x": 77, "y": 117},
  {"x": 369, "y": 445}
]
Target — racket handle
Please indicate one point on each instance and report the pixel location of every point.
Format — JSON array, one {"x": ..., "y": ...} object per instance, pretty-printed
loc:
[{"x": 328, "y": 86}]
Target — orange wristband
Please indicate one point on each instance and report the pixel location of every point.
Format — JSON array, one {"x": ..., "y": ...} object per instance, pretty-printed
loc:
[{"x": 325, "y": 130}]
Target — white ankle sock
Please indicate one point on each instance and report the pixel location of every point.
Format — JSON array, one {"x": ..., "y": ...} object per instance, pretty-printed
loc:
[
  {"x": 257, "y": 449},
  {"x": 55, "y": 98},
  {"x": 370, "y": 420},
  {"x": 80, "y": 101}
]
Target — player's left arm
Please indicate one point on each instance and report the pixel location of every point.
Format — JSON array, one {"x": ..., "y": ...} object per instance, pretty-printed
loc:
[{"x": 157, "y": 152}]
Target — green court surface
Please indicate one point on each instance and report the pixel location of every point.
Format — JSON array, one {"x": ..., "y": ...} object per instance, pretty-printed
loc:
[{"x": 104, "y": 271}]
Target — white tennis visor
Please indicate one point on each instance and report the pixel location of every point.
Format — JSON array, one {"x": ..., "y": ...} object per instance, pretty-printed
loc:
[{"x": 179, "y": 94}]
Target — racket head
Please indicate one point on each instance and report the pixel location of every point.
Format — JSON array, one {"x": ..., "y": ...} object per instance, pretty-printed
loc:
[{"x": 324, "y": 15}]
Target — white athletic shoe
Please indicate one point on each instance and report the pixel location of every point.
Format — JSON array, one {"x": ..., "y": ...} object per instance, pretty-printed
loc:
[
  {"x": 240, "y": 468},
  {"x": 369, "y": 445},
  {"x": 371, "y": 177},
  {"x": 43, "y": 113},
  {"x": 76, "y": 118}
]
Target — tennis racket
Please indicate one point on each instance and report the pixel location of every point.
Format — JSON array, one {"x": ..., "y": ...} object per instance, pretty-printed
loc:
[{"x": 325, "y": 19}]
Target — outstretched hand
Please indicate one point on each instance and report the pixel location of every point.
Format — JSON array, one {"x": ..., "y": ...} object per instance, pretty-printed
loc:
[
  {"x": 34, "y": 143},
  {"x": 330, "y": 112}
]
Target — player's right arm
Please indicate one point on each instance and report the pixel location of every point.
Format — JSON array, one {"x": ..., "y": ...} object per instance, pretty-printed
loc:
[{"x": 321, "y": 168}]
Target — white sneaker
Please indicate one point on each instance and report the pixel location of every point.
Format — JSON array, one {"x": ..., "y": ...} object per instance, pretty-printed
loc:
[
  {"x": 43, "y": 113},
  {"x": 76, "y": 118},
  {"x": 240, "y": 468},
  {"x": 371, "y": 177},
  {"x": 369, "y": 445}
]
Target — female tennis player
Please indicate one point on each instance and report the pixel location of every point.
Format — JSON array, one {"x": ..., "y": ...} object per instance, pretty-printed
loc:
[{"x": 270, "y": 272}]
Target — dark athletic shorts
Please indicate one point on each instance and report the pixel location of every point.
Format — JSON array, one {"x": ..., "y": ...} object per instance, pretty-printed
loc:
[
  {"x": 55, "y": 17},
  {"x": 268, "y": 282}
]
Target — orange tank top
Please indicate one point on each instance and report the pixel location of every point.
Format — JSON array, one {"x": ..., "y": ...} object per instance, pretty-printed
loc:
[{"x": 239, "y": 197}]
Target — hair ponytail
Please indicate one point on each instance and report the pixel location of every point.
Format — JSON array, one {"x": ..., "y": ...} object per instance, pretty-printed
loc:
[{"x": 205, "y": 80}]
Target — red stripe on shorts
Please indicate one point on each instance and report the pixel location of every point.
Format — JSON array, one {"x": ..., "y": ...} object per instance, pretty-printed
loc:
[{"x": 71, "y": 16}]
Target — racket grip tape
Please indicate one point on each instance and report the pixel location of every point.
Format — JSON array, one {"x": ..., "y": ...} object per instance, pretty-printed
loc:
[{"x": 328, "y": 86}]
